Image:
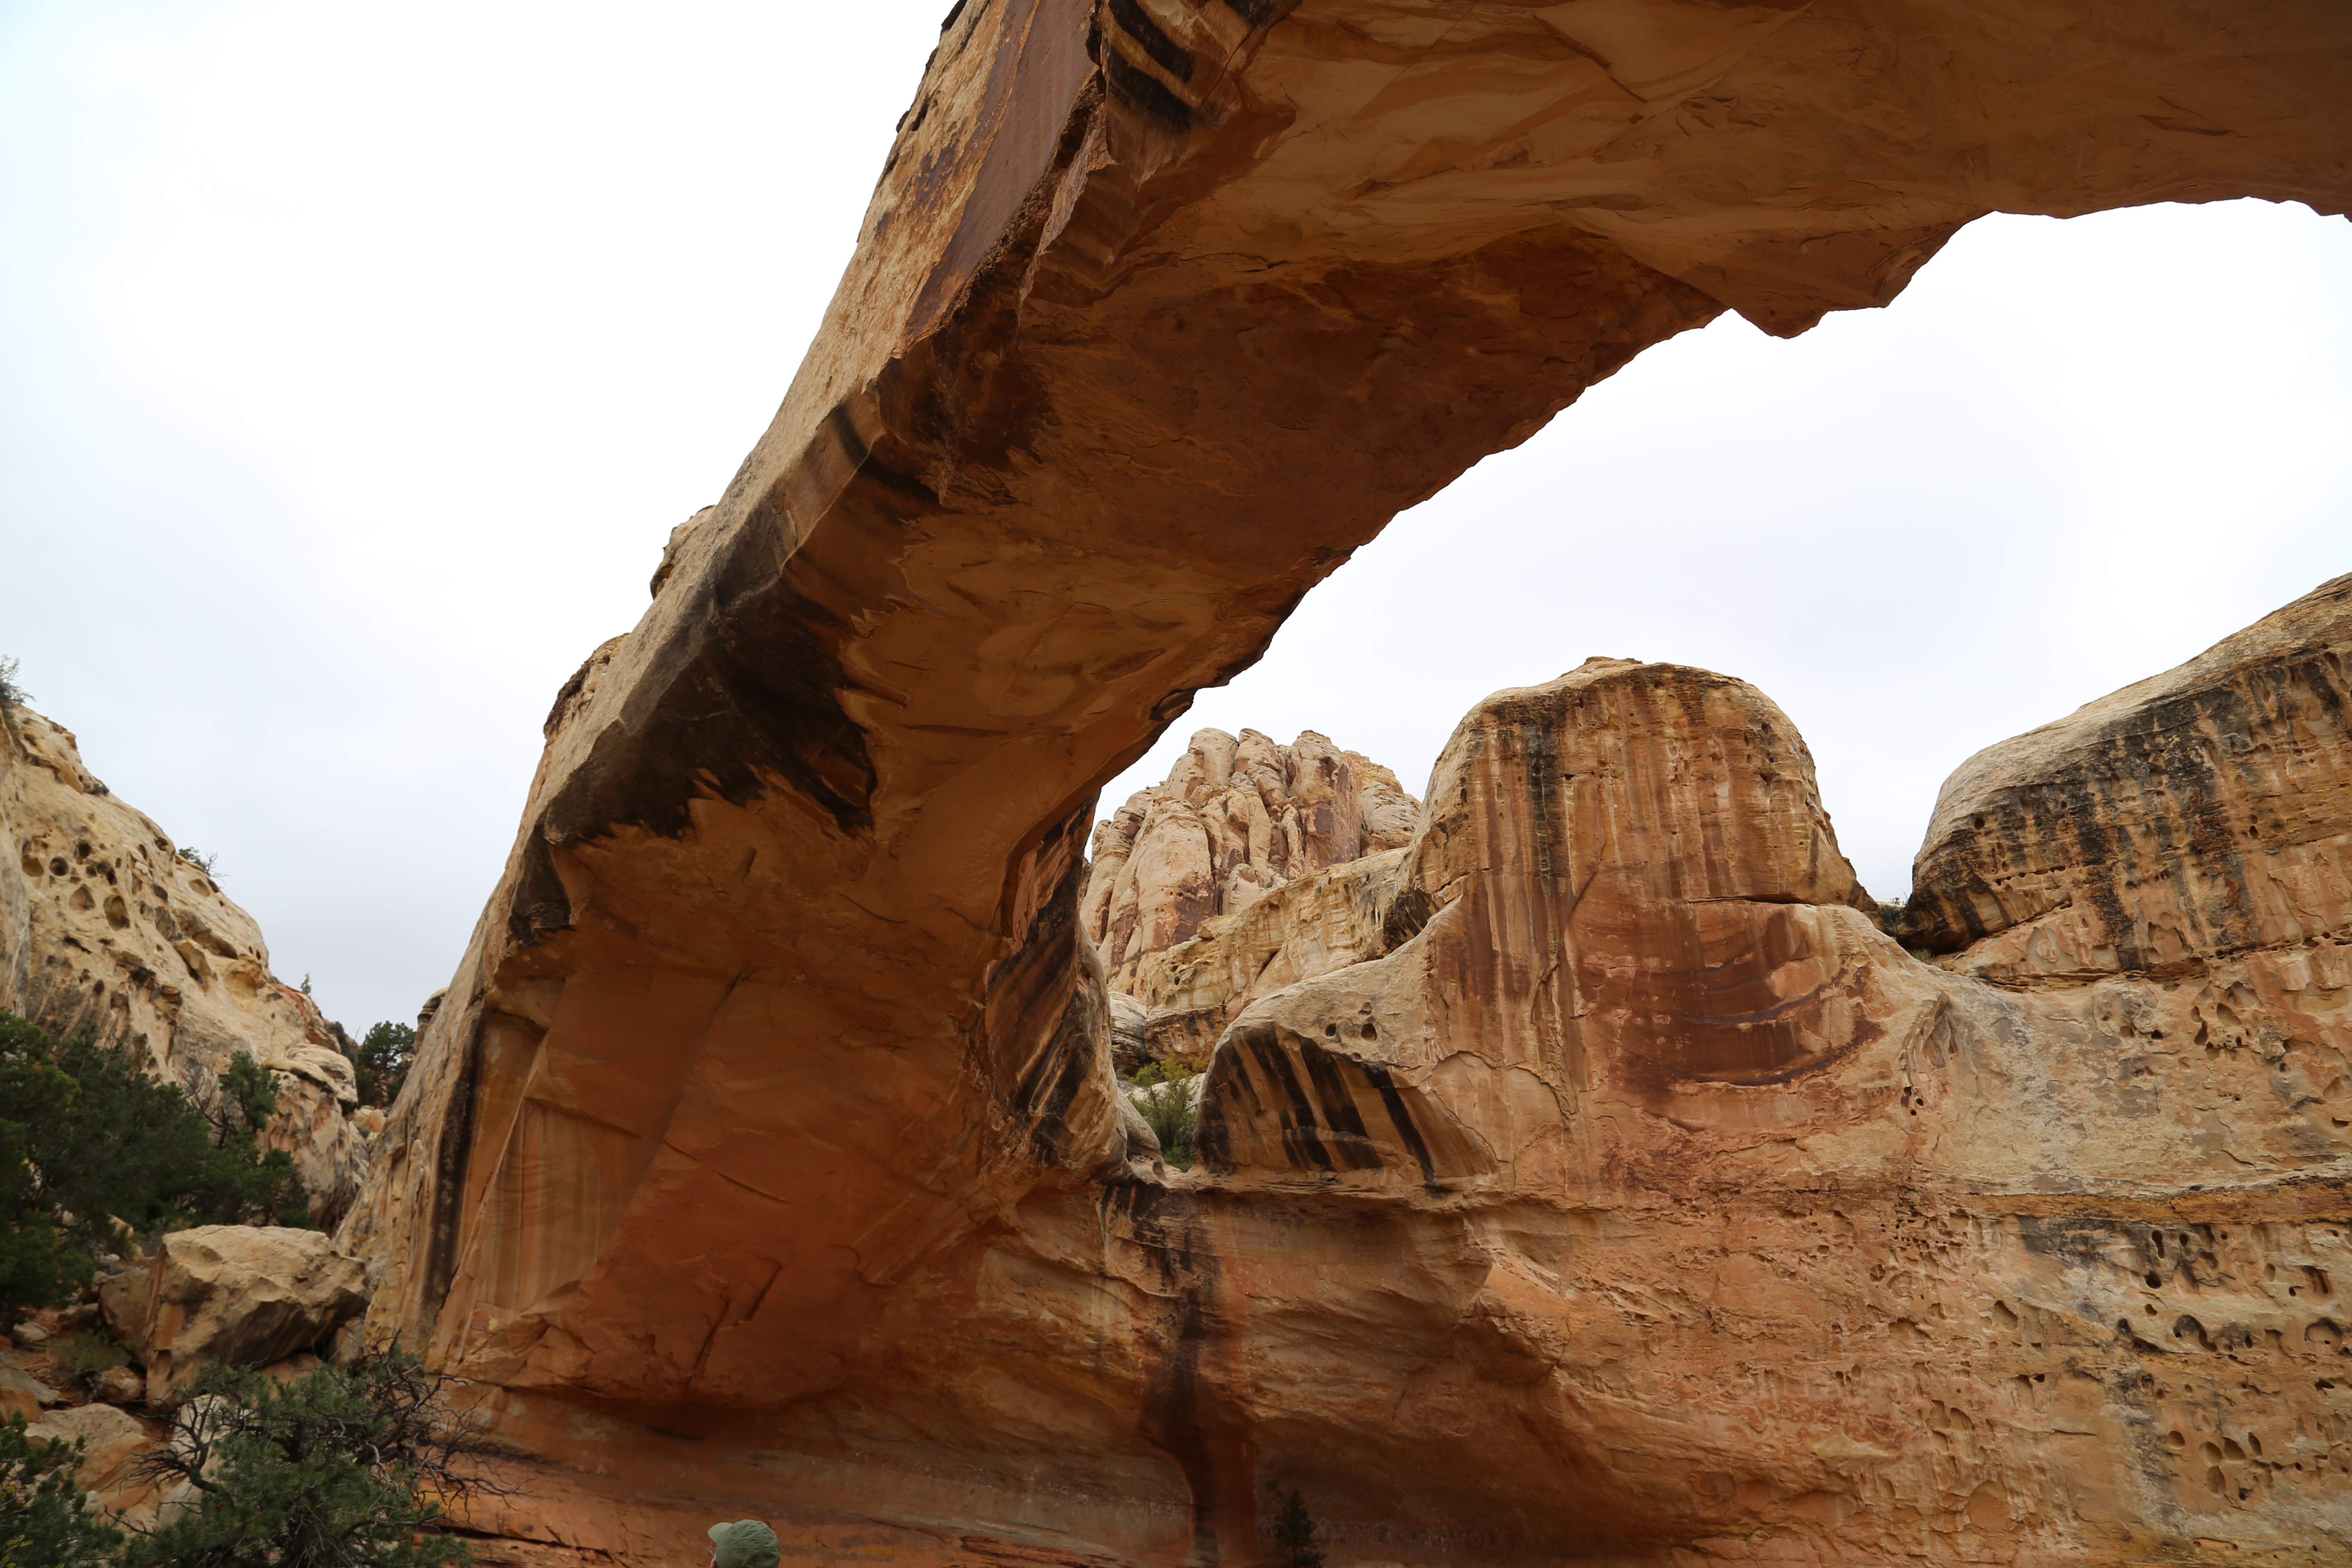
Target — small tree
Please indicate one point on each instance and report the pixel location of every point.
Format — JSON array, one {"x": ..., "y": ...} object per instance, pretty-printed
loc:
[
  {"x": 385, "y": 1051},
  {"x": 45, "y": 1518},
  {"x": 1293, "y": 1533},
  {"x": 12, "y": 697},
  {"x": 337, "y": 1469},
  {"x": 1166, "y": 1106},
  {"x": 200, "y": 861}
]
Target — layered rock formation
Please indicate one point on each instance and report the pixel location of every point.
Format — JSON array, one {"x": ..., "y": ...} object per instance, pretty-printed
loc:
[
  {"x": 767, "y": 1151},
  {"x": 105, "y": 927},
  {"x": 1173, "y": 869}
]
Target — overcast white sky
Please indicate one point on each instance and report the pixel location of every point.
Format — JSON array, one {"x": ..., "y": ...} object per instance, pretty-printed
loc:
[{"x": 355, "y": 361}]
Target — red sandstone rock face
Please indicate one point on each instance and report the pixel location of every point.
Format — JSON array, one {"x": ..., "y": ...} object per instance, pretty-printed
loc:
[{"x": 767, "y": 1154}]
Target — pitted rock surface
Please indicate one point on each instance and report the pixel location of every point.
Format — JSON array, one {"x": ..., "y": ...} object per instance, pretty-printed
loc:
[{"x": 104, "y": 926}]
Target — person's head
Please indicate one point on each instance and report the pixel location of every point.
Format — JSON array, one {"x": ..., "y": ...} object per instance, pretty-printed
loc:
[{"x": 746, "y": 1544}]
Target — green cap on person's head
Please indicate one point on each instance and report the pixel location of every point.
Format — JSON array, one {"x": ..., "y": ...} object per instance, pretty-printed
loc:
[{"x": 746, "y": 1544}]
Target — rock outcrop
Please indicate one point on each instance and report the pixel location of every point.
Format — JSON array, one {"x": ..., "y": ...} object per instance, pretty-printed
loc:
[
  {"x": 1239, "y": 821},
  {"x": 240, "y": 1294},
  {"x": 105, "y": 927},
  {"x": 2198, "y": 819},
  {"x": 1321, "y": 921},
  {"x": 1865, "y": 1260},
  {"x": 768, "y": 1146}
]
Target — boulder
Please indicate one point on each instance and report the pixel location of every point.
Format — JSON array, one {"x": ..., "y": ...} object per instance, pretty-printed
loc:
[
  {"x": 121, "y": 1298},
  {"x": 22, "y": 1394},
  {"x": 122, "y": 1385},
  {"x": 111, "y": 1442},
  {"x": 248, "y": 1295},
  {"x": 317, "y": 1122}
]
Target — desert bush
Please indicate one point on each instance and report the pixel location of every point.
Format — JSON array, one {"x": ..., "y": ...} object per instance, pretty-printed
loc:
[
  {"x": 46, "y": 1521},
  {"x": 1166, "y": 1107},
  {"x": 385, "y": 1051},
  {"x": 92, "y": 1148},
  {"x": 200, "y": 861},
  {"x": 338, "y": 1469}
]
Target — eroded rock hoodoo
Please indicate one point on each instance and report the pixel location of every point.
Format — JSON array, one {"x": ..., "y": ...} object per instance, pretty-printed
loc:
[{"x": 1629, "y": 1193}]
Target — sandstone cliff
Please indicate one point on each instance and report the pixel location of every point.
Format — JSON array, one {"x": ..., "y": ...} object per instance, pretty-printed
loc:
[
  {"x": 1241, "y": 821},
  {"x": 767, "y": 1151},
  {"x": 105, "y": 927}
]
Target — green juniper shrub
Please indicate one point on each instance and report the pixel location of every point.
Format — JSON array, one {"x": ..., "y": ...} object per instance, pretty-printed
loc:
[
  {"x": 248, "y": 1099},
  {"x": 12, "y": 696},
  {"x": 39, "y": 1266},
  {"x": 1294, "y": 1533},
  {"x": 200, "y": 861},
  {"x": 45, "y": 1521},
  {"x": 385, "y": 1051},
  {"x": 337, "y": 1469},
  {"x": 91, "y": 1147},
  {"x": 1166, "y": 1107}
]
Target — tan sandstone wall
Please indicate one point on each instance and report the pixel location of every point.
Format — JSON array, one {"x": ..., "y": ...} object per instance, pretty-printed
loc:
[{"x": 104, "y": 926}]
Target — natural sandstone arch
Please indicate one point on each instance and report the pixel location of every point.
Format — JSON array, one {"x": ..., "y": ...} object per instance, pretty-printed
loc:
[{"x": 1161, "y": 307}]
